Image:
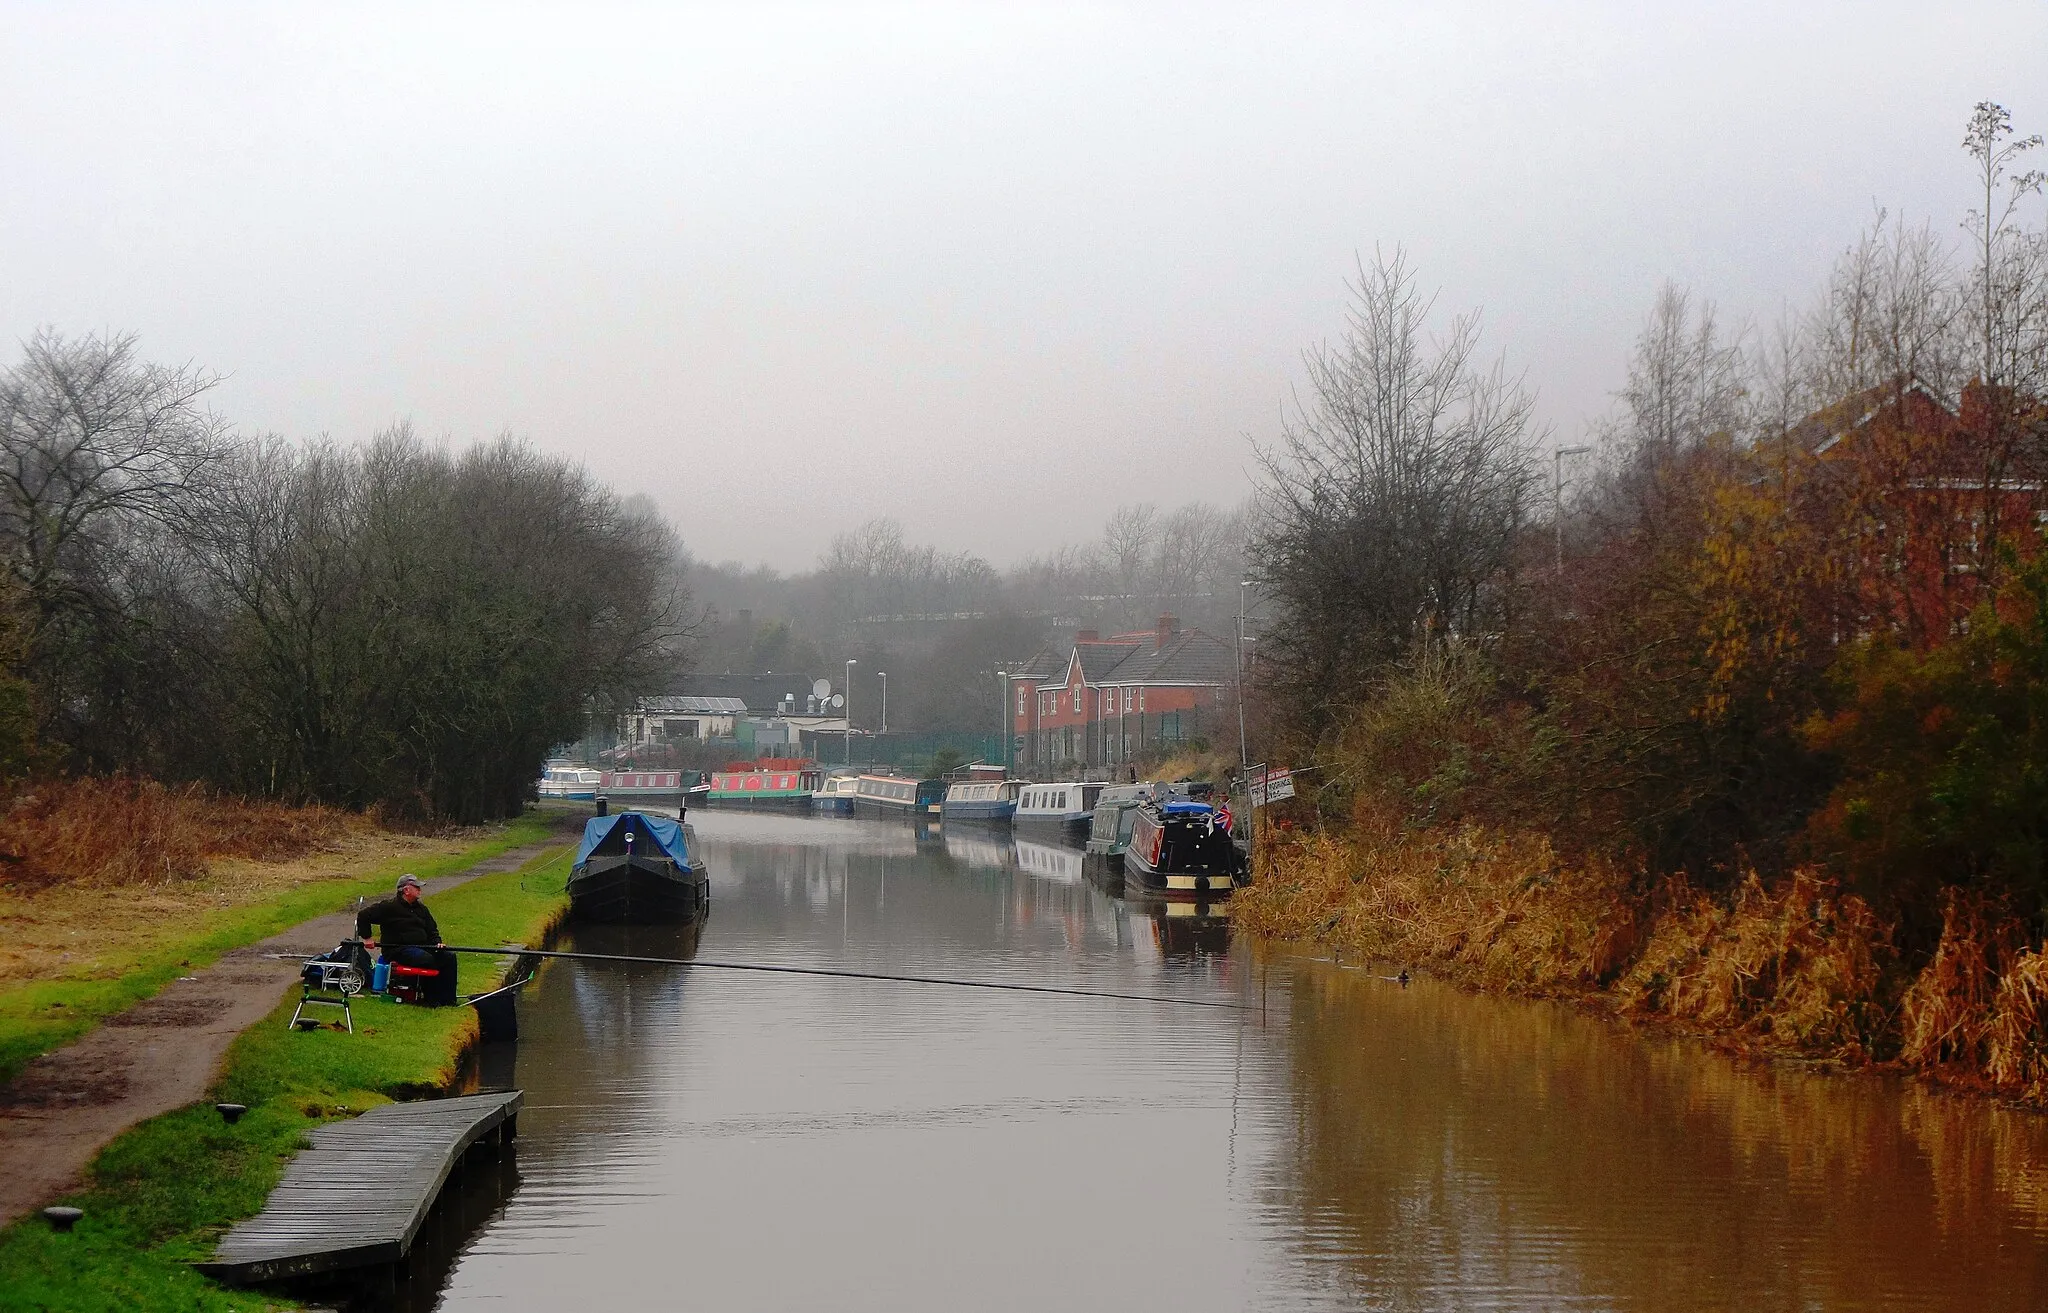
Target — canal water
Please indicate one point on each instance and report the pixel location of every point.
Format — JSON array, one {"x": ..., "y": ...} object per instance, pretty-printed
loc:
[{"x": 727, "y": 1141}]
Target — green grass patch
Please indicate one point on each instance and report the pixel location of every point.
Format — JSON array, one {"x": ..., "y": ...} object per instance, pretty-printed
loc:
[
  {"x": 38, "y": 1016},
  {"x": 161, "y": 1194}
]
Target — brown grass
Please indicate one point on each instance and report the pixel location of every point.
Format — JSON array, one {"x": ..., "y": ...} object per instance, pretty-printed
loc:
[
  {"x": 1795, "y": 966},
  {"x": 120, "y": 830}
]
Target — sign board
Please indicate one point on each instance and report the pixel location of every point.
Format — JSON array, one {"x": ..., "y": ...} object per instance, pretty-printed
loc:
[{"x": 1269, "y": 785}]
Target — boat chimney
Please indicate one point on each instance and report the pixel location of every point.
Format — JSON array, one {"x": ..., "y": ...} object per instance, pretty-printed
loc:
[{"x": 1168, "y": 626}]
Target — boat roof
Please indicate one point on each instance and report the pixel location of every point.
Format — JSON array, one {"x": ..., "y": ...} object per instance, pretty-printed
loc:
[{"x": 663, "y": 832}]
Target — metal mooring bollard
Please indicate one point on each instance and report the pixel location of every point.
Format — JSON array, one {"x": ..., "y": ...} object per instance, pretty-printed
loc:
[
  {"x": 62, "y": 1218},
  {"x": 231, "y": 1112}
]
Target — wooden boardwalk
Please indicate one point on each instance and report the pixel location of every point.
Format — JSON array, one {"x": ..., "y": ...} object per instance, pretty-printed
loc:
[{"x": 360, "y": 1193}]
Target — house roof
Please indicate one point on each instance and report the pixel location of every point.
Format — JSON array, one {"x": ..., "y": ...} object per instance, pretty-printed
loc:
[
  {"x": 1099, "y": 657},
  {"x": 1189, "y": 657},
  {"x": 1046, "y": 663}
]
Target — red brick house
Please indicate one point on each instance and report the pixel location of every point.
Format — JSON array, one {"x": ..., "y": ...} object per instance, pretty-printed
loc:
[
  {"x": 1097, "y": 704},
  {"x": 1923, "y": 497}
]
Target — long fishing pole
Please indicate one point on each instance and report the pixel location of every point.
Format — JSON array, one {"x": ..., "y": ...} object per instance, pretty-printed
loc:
[{"x": 841, "y": 973}]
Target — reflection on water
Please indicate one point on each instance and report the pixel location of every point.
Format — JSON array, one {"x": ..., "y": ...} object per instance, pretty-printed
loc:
[{"x": 746, "y": 1142}]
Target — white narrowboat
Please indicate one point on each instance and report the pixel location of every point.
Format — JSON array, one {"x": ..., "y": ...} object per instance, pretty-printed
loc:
[{"x": 1066, "y": 808}]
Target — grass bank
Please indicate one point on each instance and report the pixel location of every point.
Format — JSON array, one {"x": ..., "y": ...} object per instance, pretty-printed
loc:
[
  {"x": 1795, "y": 967},
  {"x": 161, "y": 1194},
  {"x": 75, "y": 952}
]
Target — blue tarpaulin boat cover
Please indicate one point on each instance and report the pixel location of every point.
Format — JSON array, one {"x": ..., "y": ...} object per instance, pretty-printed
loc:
[
  {"x": 665, "y": 832},
  {"x": 1181, "y": 807}
]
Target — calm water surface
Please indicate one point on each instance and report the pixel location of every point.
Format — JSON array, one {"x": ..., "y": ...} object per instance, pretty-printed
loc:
[{"x": 738, "y": 1142}]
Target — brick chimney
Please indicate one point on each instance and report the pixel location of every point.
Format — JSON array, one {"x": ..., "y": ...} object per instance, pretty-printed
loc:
[
  {"x": 1169, "y": 625},
  {"x": 1086, "y": 636}
]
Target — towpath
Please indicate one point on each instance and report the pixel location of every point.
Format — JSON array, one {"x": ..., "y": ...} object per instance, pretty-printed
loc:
[{"x": 158, "y": 1055}]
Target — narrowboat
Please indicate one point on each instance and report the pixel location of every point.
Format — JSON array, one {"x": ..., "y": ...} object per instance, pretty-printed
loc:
[
  {"x": 770, "y": 785},
  {"x": 899, "y": 796},
  {"x": 992, "y": 802},
  {"x": 632, "y": 867},
  {"x": 565, "y": 781},
  {"x": 1116, "y": 808},
  {"x": 835, "y": 795},
  {"x": 640, "y": 783},
  {"x": 1066, "y": 808},
  {"x": 1180, "y": 848}
]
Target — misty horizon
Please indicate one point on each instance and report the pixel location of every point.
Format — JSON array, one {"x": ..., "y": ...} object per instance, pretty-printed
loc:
[{"x": 990, "y": 275}]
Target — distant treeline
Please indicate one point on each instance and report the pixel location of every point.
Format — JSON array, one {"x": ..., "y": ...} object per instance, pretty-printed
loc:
[
  {"x": 389, "y": 626},
  {"x": 942, "y": 623},
  {"x": 1787, "y": 608}
]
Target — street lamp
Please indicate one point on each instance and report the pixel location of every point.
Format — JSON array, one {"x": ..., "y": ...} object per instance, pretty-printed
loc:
[
  {"x": 1004, "y": 720},
  {"x": 850, "y": 664},
  {"x": 885, "y": 700},
  {"x": 1244, "y": 755},
  {"x": 1557, "y": 497}
]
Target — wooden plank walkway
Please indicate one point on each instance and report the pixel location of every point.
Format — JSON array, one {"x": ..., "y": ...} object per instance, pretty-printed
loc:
[{"x": 360, "y": 1193}]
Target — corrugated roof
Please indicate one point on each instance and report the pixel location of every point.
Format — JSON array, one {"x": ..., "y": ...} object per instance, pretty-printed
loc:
[{"x": 689, "y": 704}]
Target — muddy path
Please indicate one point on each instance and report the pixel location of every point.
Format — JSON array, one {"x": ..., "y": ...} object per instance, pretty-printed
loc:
[{"x": 161, "y": 1054}]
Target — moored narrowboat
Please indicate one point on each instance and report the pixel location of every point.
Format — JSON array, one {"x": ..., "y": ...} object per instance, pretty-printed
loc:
[
  {"x": 835, "y": 794},
  {"x": 567, "y": 781},
  {"x": 1116, "y": 808},
  {"x": 899, "y": 796},
  {"x": 632, "y": 867},
  {"x": 1181, "y": 849},
  {"x": 1067, "y": 808},
  {"x": 773, "y": 784},
  {"x": 992, "y": 802}
]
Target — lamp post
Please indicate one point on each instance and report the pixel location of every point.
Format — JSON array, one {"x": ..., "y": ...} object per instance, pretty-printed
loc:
[
  {"x": 1557, "y": 497},
  {"x": 1003, "y": 720},
  {"x": 885, "y": 699},
  {"x": 850, "y": 664},
  {"x": 1244, "y": 755}
]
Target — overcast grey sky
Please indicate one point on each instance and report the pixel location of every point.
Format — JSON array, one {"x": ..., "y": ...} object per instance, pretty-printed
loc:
[{"x": 991, "y": 271}]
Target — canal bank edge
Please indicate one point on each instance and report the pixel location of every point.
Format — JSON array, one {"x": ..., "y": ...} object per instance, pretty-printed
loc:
[
  {"x": 39, "y": 1016},
  {"x": 162, "y": 1193},
  {"x": 1793, "y": 970}
]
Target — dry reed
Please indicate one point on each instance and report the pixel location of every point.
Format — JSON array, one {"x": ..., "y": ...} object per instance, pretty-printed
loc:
[
  {"x": 1793, "y": 966},
  {"x": 123, "y": 830}
]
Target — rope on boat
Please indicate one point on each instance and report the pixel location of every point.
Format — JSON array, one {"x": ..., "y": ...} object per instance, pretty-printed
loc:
[{"x": 845, "y": 974}]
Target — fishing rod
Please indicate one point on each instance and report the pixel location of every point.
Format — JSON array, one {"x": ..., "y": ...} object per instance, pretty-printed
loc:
[{"x": 844, "y": 974}]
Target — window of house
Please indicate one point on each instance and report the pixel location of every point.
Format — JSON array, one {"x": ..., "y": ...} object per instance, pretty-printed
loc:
[
  {"x": 1141, "y": 699},
  {"x": 1020, "y": 701}
]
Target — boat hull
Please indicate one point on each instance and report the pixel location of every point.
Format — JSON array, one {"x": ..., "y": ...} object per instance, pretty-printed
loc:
[
  {"x": 771, "y": 803},
  {"x": 883, "y": 807},
  {"x": 836, "y": 804},
  {"x": 637, "y": 889},
  {"x": 1067, "y": 824},
  {"x": 1195, "y": 886},
  {"x": 998, "y": 812}
]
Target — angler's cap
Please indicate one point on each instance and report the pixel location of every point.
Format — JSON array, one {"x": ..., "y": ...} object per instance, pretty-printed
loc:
[{"x": 408, "y": 879}]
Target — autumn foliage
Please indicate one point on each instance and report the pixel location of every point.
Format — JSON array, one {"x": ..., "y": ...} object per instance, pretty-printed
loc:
[{"x": 1754, "y": 736}]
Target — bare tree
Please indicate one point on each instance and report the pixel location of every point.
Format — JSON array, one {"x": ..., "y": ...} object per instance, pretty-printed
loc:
[
  {"x": 92, "y": 440},
  {"x": 1891, "y": 314},
  {"x": 1127, "y": 545},
  {"x": 2010, "y": 301},
  {"x": 1392, "y": 502}
]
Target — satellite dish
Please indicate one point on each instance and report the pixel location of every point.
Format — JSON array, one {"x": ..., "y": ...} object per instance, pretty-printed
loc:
[
  {"x": 821, "y": 687},
  {"x": 838, "y": 699}
]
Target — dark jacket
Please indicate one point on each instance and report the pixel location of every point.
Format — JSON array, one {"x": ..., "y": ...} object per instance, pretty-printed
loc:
[{"x": 404, "y": 923}]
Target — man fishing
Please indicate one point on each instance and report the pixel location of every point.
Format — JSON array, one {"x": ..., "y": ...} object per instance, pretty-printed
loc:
[{"x": 411, "y": 938}]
